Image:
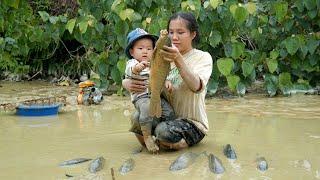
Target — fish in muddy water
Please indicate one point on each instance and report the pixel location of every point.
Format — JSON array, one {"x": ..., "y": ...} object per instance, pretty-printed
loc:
[
  {"x": 127, "y": 166},
  {"x": 229, "y": 152},
  {"x": 183, "y": 161},
  {"x": 262, "y": 164},
  {"x": 215, "y": 164},
  {"x": 96, "y": 165},
  {"x": 74, "y": 161},
  {"x": 159, "y": 71}
]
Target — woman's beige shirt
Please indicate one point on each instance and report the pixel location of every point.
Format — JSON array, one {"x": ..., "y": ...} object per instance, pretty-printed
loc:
[{"x": 186, "y": 103}]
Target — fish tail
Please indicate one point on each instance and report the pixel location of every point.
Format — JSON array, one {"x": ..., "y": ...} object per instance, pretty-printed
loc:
[{"x": 155, "y": 109}]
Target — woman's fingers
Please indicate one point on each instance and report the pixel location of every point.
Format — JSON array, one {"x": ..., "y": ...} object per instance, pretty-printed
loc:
[
  {"x": 137, "y": 86},
  {"x": 168, "y": 56}
]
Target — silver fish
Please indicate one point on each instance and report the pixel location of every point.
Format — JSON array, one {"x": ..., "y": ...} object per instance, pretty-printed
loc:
[
  {"x": 183, "y": 161},
  {"x": 74, "y": 161},
  {"x": 262, "y": 164},
  {"x": 229, "y": 152},
  {"x": 215, "y": 164},
  {"x": 96, "y": 165},
  {"x": 127, "y": 166}
]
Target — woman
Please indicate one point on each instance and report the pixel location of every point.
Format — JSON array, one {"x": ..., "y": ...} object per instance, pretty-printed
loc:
[{"x": 190, "y": 71}]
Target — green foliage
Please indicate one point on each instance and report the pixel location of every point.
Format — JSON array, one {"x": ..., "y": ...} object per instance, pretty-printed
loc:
[{"x": 277, "y": 41}]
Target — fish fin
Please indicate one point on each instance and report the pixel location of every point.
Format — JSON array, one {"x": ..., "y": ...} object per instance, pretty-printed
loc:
[{"x": 155, "y": 109}]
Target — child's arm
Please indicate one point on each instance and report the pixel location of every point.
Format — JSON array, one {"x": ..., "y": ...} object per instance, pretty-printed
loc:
[{"x": 139, "y": 67}]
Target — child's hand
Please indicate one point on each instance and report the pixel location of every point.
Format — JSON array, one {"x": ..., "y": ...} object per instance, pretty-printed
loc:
[
  {"x": 168, "y": 85},
  {"x": 139, "y": 67}
]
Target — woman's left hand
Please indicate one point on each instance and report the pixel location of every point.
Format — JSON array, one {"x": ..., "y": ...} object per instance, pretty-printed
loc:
[{"x": 171, "y": 54}]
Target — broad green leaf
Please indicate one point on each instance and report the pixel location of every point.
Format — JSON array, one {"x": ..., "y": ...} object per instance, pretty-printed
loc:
[
  {"x": 285, "y": 80},
  {"x": 271, "y": 84},
  {"x": 148, "y": 3},
  {"x": 70, "y": 25},
  {"x": 212, "y": 87},
  {"x": 44, "y": 15},
  {"x": 121, "y": 28},
  {"x": 240, "y": 15},
  {"x": 312, "y": 13},
  {"x": 233, "y": 81},
  {"x": 312, "y": 45},
  {"x": 12, "y": 3},
  {"x": 271, "y": 89},
  {"x": 116, "y": 75},
  {"x": 1, "y": 24},
  {"x": 247, "y": 68},
  {"x": 292, "y": 45},
  {"x": 281, "y": 9},
  {"x": 214, "y": 38},
  {"x": 299, "y": 5},
  {"x": 274, "y": 54},
  {"x": 225, "y": 65},
  {"x": 10, "y": 40},
  {"x": 83, "y": 25},
  {"x": 117, "y": 6},
  {"x": 233, "y": 9},
  {"x": 251, "y": 7},
  {"x": 136, "y": 17},
  {"x": 99, "y": 27},
  {"x": 272, "y": 65},
  {"x": 63, "y": 18},
  {"x": 304, "y": 50},
  {"x": 121, "y": 64},
  {"x": 241, "y": 89},
  {"x": 53, "y": 19},
  {"x": 228, "y": 49},
  {"x": 237, "y": 50},
  {"x": 310, "y": 4},
  {"x": 215, "y": 3},
  {"x": 2, "y": 42},
  {"x": 94, "y": 75},
  {"x": 103, "y": 69},
  {"x": 126, "y": 14}
]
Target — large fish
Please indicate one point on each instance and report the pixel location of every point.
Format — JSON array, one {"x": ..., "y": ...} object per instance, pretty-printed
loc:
[
  {"x": 96, "y": 165},
  {"x": 127, "y": 166},
  {"x": 158, "y": 73},
  {"x": 229, "y": 152},
  {"x": 215, "y": 164},
  {"x": 183, "y": 161}
]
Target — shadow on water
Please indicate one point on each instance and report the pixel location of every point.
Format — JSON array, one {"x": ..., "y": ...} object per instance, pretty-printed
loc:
[{"x": 285, "y": 131}]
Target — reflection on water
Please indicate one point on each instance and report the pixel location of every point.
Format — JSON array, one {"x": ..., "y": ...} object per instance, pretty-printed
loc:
[{"x": 286, "y": 131}]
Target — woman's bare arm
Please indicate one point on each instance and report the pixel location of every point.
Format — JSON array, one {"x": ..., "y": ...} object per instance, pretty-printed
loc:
[{"x": 192, "y": 80}]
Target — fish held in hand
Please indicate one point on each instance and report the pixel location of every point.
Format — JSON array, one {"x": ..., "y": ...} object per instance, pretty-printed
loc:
[{"x": 159, "y": 71}]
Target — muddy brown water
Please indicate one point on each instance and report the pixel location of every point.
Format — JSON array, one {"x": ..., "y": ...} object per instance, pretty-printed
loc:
[{"x": 284, "y": 130}]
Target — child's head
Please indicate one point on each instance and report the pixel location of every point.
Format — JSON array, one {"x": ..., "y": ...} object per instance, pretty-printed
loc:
[{"x": 140, "y": 45}]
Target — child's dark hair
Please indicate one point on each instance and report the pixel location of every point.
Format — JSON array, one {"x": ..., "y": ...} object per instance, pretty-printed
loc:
[{"x": 192, "y": 23}]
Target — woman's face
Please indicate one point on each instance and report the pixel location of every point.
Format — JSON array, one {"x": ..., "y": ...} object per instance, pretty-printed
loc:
[{"x": 180, "y": 35}]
